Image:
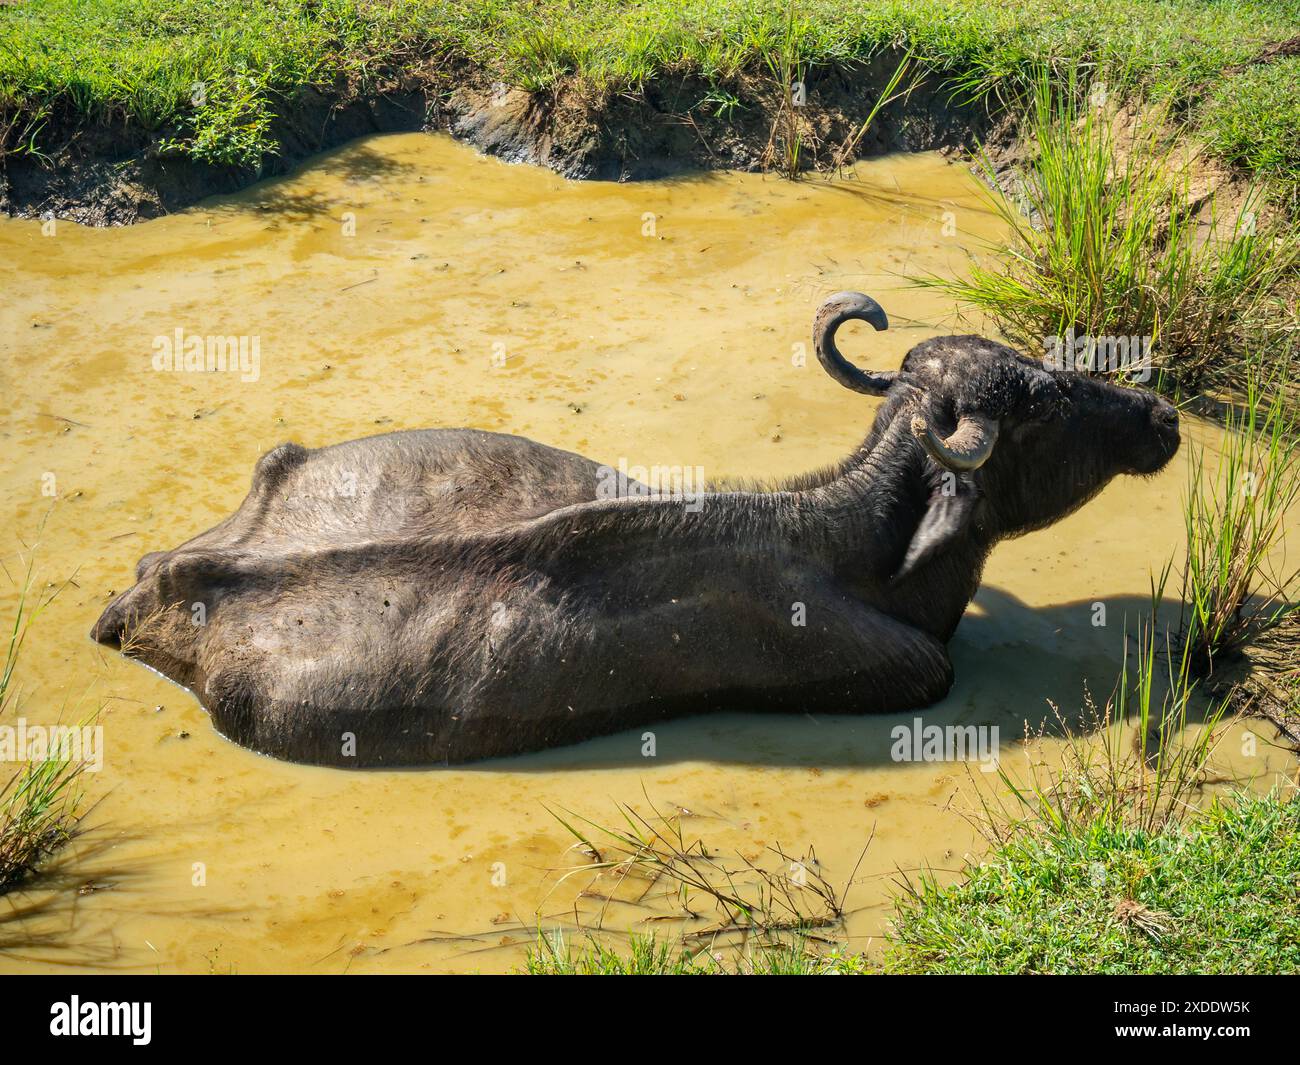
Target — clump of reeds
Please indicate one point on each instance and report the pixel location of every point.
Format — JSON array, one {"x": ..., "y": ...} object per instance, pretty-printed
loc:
[
  {"x": 1107, "y": 240},
  {"x": 1236, "y": 521},
  {"x": 40, "y": 802},
  {"x": 791, "y": 138},
  {"x": 785, "y": 143}
]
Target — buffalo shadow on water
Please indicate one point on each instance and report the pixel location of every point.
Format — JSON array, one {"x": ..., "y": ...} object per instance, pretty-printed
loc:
[{"x": 1009, "y": 659}]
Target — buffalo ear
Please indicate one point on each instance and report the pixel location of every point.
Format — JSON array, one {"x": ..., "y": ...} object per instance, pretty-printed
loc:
[{"x": 944, "y": 521}]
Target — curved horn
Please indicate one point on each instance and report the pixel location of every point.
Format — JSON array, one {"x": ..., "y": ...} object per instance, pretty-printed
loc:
[
  {"x": 969, "y": 446},
  {"x": 837, "y": 310}
]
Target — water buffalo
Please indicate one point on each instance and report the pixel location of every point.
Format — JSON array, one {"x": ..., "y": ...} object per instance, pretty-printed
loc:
[{"x": 445, "y": 595}]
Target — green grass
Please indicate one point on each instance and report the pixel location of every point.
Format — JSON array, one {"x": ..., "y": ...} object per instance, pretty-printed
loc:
[
  {"x": 141, "y": 58},
  {"x": 1217, "y": 894},
  {"x": 1253, "y": 119}
]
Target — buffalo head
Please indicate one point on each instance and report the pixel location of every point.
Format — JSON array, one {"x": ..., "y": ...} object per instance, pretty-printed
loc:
[{"x": 1016, "y": 446}]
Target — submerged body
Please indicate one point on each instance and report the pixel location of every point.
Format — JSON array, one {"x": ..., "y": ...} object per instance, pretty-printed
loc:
[{"x": 442, "y": 596}]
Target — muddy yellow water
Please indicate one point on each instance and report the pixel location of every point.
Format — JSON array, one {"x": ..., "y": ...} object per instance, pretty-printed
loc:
[{"x": 405, "y": 282}]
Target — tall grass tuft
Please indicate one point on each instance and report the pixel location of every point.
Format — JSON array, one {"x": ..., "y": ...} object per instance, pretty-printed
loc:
[
  {"x": 1134, "y": 767},
  {"x": 785, "y": 143},
  {"x": 1237, "y": 521},
  {"x": 40, "y": 803},
  {"x": 888, "y": 95},
  {"x": 1107, "y": 241}
]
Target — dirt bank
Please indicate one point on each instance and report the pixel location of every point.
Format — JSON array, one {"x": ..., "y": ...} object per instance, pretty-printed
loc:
[
  {"x": 112, "y": 172},
  {"x": 1264, "y": 680}
]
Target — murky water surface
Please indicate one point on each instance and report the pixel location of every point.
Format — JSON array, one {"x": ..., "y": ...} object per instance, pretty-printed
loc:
[{"x": 405, "y": 282}]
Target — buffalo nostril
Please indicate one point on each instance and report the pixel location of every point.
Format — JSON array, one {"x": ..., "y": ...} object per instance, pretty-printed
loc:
[
  {"x": 108, "y": 631},
  {"x": 1167, "y": 414}
]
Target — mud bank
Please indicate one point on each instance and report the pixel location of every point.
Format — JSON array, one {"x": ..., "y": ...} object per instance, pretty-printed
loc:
[
  {"x": 113, "y": 172},
  {"x": 1263, "y": 680}
]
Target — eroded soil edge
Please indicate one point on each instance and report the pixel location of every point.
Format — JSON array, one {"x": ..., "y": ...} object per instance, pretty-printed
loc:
[{"x": 111, "y": 172}]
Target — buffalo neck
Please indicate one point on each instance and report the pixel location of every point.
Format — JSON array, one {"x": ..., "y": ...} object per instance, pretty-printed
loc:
[{"x": 868, "y": 511}]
